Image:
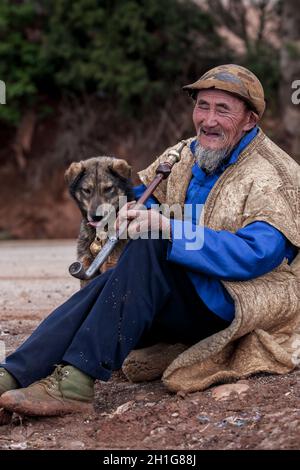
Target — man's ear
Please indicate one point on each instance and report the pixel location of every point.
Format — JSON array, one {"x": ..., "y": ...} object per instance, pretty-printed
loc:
[
  {"x": 121, "y": 168},
  {"x": 251, "y": 121},
  {"x": 73, "y": 172}
]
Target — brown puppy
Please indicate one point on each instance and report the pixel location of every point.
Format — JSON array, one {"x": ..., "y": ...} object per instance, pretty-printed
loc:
[{"x": 94, "y": 184}]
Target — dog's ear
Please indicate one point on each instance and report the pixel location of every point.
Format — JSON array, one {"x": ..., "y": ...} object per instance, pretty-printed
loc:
[
  {"x": 73, "y": 172},
  {"x": 120, "y": 168}
]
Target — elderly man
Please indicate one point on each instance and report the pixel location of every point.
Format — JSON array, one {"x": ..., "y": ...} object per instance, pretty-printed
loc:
[{"x": 224, "y": 310}]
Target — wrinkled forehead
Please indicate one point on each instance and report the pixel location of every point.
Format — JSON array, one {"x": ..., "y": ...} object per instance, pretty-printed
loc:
[{"x": 214, "y": 96}]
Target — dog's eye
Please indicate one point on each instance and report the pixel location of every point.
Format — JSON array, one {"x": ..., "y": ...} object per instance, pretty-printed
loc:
[
  {"x": 108, "y": 189},
  {"x": 86, "y": 191}
]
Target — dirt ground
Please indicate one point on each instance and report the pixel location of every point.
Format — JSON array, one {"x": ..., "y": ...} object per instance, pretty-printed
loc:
[{"x": 34, "y": 280}]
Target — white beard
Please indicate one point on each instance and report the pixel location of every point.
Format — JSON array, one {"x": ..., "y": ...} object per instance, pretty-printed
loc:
[{"x": 210, "y": 160}]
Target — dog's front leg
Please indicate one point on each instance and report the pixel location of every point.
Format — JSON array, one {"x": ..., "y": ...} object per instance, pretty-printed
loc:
[{"x": 84, "y": 255}]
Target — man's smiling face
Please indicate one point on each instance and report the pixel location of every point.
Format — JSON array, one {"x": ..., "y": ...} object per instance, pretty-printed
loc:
[{"x": 221, "y": 119}]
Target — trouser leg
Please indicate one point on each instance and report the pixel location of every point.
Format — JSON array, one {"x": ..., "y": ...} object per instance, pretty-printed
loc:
[
  {"x": 45, "y": 347},
  {"x": 145, "y": 298},
  {"x": 97, "y": 328}
]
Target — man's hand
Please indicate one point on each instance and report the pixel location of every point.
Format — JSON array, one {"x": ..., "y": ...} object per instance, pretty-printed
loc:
[{"x": 141, "y": 221}]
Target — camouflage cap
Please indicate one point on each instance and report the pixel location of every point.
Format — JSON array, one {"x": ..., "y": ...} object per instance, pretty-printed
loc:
[{"x": 235, "y": 79}]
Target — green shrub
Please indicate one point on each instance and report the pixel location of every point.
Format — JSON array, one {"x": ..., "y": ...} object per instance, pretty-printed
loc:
[
  {"x": 19, "y": 58},
  {"x": 131, "y": 51}
]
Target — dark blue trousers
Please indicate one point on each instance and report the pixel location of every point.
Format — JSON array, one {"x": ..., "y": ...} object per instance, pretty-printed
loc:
[{"x": 143, "y": 300}]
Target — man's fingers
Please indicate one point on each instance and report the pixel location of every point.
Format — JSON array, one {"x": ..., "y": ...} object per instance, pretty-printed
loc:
[
  {"x": 134, "y": 229},
  {"x": 128, "y": 214},
  {"x": 132, "y": 214},
  {"x": 126, "y": 206},
  {"x": 124, "y": 215}
]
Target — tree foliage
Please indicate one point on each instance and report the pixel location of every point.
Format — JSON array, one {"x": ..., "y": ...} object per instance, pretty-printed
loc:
[
  {"x": 255, "y": 23},
  {"x": 134, "y": 51},
  {"x": 19, "y": 64}
]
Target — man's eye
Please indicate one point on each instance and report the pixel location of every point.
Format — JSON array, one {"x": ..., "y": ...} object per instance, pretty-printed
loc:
[
  {"x": 86, "y": 191},
  {"x": 202, "y": 106}
]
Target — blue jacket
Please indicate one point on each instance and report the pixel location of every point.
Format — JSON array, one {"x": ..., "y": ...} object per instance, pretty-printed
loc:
[{"x": 250, "y": 252}]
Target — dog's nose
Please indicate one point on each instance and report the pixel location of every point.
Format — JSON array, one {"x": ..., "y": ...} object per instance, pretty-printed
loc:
[{"x": 96, "y": 218}]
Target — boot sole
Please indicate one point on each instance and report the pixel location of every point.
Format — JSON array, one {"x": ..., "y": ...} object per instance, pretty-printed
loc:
[{"x": 37, "y": 408}]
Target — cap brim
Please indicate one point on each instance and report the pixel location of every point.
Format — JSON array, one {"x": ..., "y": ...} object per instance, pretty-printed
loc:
[{"x": 219, "y": 85}]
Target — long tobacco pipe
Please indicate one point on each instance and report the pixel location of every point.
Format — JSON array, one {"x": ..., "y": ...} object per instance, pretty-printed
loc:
[{"x": 162, "y": 172}]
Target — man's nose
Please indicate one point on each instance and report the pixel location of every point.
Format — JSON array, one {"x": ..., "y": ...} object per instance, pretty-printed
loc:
[{"x": 210, "y": 119}]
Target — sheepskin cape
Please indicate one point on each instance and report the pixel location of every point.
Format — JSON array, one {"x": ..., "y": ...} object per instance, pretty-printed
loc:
[{"x": 263, "y": 185}]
